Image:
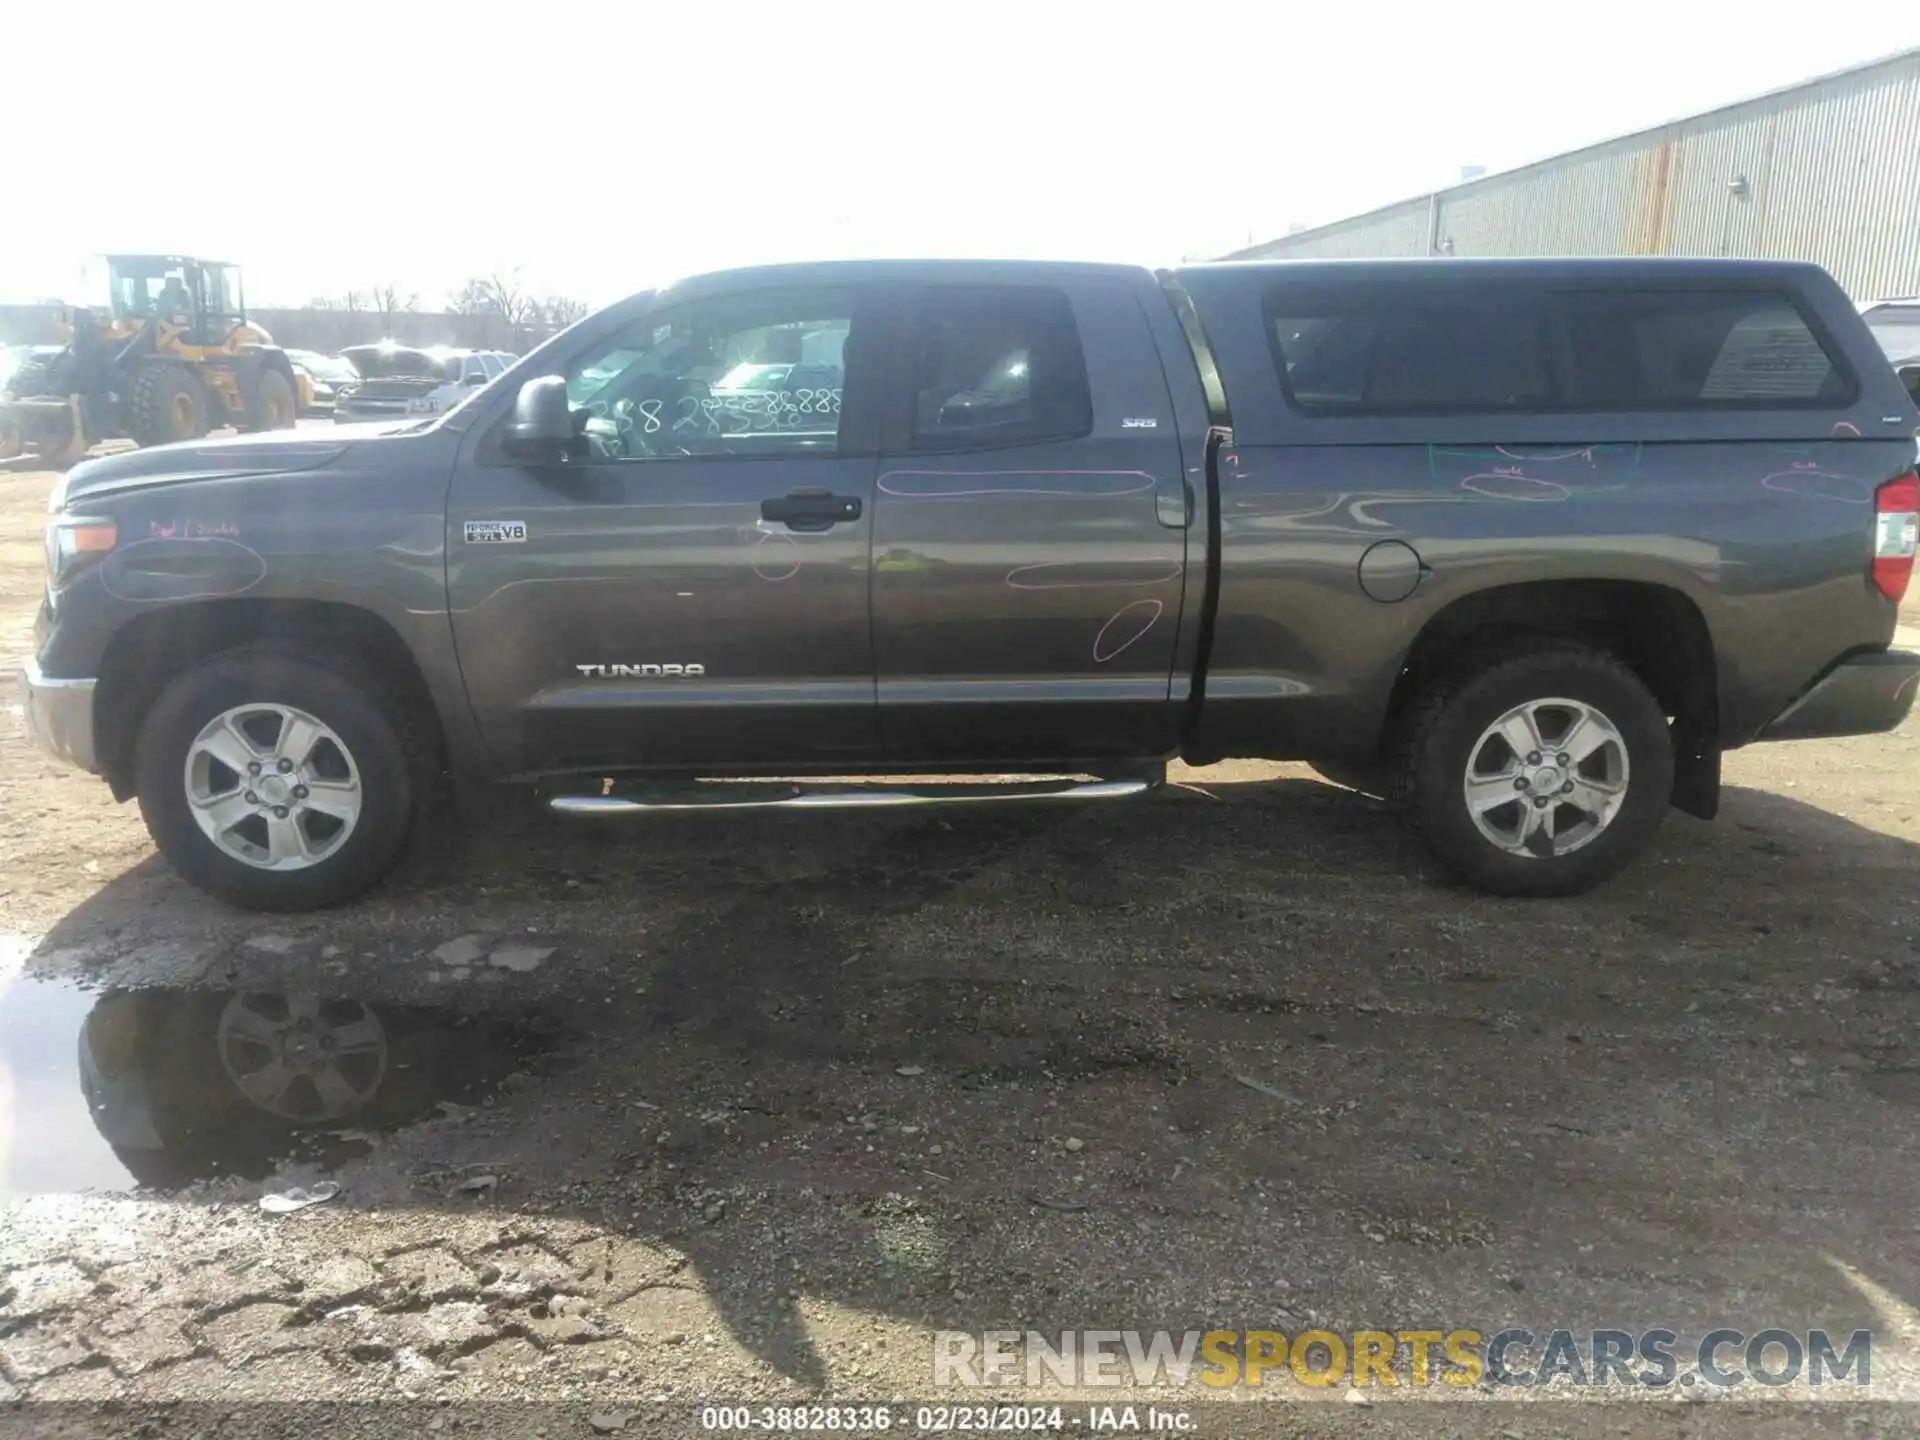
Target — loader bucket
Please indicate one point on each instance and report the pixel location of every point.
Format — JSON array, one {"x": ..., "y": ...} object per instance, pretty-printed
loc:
[{"x": 42, "y": 433}]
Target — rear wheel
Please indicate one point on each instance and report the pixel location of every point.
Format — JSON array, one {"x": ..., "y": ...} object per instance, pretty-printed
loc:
[
  {"x": 167, "y": 403},
  {"x": 271, "y": 405},
  {"x": 1542, "y": 774},
  {"x": 274, "y": 783}
]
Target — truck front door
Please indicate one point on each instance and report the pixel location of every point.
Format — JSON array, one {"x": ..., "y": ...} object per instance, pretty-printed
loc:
[
  {"x": 1030, "y": 527},
  {"x": 694, "y": 590}
]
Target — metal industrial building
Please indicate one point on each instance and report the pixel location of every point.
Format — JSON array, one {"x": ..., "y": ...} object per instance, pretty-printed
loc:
[{"x": 1827, "y": 170}]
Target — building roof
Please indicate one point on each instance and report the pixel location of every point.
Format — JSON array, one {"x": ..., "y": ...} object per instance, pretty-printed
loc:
[{"x": 1910, "y": 56}]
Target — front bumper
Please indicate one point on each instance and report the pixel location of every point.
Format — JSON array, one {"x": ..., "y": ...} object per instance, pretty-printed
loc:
[
  {"x": 359, "y": 409},
  {"x": 59, "y": 716},
  {"x": 1865, "y": 695}
]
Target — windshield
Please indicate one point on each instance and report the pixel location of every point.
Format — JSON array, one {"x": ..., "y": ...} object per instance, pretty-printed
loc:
[
  {"x": 142, "y": 289},
  {"x": 331, "y": 368}
]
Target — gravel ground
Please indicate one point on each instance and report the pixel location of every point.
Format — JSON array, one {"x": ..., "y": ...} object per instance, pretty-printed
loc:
[{"x": 746, "y": 1108}]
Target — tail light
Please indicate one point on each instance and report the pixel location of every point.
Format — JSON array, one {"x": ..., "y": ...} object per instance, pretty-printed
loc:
[{"x": 1896, "y": 534}]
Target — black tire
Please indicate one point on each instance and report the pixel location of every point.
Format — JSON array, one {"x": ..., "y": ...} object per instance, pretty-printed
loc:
[
  {"x": 271, "y": 403},
  {"x": 33, "y": 378},
  {"x": 372, "y": 731},
  {"x": 167, "y": 404},
  {"x": 1437, "y": 738}
]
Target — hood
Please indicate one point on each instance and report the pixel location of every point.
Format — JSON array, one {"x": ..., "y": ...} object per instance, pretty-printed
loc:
[
  {"x": 273, "y": 452},
  {"x": 380, "y": 362}
]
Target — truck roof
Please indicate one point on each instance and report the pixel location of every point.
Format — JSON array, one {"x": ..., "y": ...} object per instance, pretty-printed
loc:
[
  {"x": 848, "y": 272},
  {"x": 986, "y": 271},
  {"x": 1692, "y": 267},
  {"x": 1627, "y": 267}
]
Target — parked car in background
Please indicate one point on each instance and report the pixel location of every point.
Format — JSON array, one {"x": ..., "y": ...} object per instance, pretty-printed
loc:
[
  {"x": 1895, "y": 324},
  {"x": 404, "y": 382},
  {"x": 329, "y": 374}
]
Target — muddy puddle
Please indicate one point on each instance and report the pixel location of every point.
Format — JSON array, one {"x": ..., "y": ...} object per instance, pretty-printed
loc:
[{"x": 108, "y": 1091}]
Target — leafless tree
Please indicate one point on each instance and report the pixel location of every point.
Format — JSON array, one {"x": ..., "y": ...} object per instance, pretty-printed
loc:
[
  {"x": 338, "y": 320},
  {"x": 473, "y": 298},
  {"x": 500, "y": 294},
  {"x": 389, "y": 303},
  {"x": 512, "y": 302},
  {"x": 560, "y": 311},
  {"x": 351, "y": 303}
]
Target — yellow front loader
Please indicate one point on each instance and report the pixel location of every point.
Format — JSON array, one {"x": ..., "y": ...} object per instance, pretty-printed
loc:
[{"x": 174, "y": 357}]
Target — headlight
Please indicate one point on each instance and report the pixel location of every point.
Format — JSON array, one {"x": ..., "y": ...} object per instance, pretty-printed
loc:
[{"x": 73, "y": 543}]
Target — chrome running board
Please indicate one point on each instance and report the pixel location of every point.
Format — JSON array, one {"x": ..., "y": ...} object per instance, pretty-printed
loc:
[{"x": 727, "y": 796}]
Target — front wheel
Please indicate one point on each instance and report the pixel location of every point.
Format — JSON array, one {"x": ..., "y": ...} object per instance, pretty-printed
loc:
[
  {"x": 274, "y": 783},
  {"x": 272, "y": 405},
  {"x": 167, "y": 404},
  {"x": 1539, "y": 775}
]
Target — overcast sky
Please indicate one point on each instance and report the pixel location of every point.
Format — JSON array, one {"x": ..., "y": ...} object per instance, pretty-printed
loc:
[{"x": 603, "y": 147}]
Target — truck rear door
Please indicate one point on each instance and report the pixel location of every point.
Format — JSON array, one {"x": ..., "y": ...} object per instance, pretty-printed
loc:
[{"x": 1030, "y": 524}]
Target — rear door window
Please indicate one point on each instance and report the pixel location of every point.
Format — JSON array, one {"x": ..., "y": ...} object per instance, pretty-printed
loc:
[
  {"x": 1445, "y": 349},
  {"x": 996, "y": 365}
]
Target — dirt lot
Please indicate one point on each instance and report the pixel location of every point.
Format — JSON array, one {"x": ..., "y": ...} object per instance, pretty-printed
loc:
[{"x": 745, "y": 1109}]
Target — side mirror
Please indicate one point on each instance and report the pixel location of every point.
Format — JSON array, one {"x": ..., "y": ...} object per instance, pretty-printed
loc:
[
  {"x": 542, "y": 425},
  {"x": 1910, "y": 377},
  {"x": 475, "y": 379}
]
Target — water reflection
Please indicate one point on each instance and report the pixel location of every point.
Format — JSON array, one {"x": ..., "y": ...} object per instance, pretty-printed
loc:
[{"x": 186, "y": 1085}]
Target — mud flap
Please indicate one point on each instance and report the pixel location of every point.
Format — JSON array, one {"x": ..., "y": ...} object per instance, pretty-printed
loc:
[{"x": 1696, "y": 776}]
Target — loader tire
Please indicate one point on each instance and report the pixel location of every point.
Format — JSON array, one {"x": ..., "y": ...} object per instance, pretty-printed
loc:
[
  {"x": 34, "y": 377},
  {"x": 167, "y": 404},
  {"x": 271, "y": 404}
]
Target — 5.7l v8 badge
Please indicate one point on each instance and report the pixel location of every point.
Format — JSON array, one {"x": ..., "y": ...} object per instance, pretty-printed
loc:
[{"x": 496, "y": 532}]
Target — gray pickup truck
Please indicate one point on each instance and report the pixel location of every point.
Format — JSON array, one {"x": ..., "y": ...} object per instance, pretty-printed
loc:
[{"x": 1525, "y": 546}]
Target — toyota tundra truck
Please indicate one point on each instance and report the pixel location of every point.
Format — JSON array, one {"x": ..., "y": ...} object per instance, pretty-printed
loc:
[{"x": 1524, "y": 546}]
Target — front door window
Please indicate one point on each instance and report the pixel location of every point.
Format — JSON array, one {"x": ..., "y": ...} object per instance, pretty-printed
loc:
[{"x": 755, "y": 375}]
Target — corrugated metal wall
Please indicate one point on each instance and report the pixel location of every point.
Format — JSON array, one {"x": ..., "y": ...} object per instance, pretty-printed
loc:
[{"x": 1832, "y": 172}]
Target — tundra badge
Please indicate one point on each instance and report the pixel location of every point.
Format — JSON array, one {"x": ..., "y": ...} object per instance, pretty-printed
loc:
[{"x": 638, "y": 672}]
